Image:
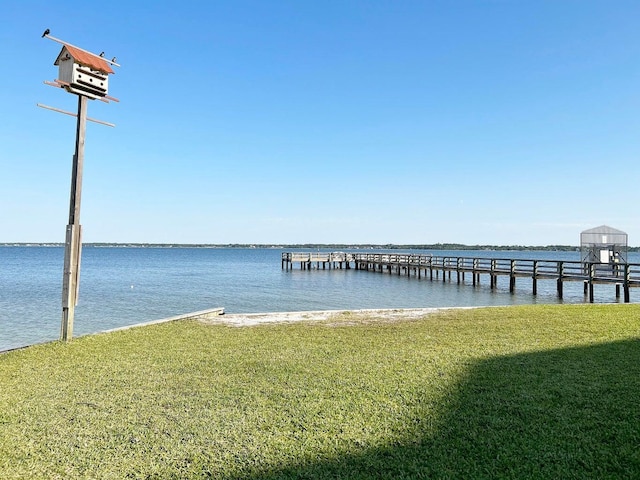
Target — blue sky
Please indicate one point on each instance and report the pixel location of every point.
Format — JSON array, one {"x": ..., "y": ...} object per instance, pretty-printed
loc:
[{"x": 477, "y": 122}]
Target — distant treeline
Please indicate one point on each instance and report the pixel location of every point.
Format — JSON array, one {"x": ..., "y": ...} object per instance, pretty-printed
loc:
[{"x": 325, "y": 246}]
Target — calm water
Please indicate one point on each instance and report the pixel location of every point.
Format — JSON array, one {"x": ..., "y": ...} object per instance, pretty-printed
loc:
[{"x": 123, "y": 286}]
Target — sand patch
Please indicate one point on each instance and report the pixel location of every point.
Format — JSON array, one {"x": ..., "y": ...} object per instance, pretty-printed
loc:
[{"x": 342, "y": 317}]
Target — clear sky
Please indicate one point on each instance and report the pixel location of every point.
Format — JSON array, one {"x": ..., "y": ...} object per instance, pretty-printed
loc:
[{"x": 255, "y": 121}]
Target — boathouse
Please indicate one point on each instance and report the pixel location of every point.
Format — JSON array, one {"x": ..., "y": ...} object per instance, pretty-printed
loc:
[{"x": 604, "y": 245}]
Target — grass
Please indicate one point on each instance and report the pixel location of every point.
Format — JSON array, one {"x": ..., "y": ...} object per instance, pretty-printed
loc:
[{"x": 517, "y": 392}]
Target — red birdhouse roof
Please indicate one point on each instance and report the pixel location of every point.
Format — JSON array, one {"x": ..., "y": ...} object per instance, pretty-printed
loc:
[{"x": 85, "y": 58}]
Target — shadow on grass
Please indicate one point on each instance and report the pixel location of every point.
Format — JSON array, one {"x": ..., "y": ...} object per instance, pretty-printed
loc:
[{"x": 569, "y": 413}]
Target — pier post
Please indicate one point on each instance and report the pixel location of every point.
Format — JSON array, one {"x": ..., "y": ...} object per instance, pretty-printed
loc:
[
  {"x": 627, "y": 274},
  {"x": 560, "y": 274},
  {"x": 512, "y": 277},
  {"x": 534, "y": 278},
  {"x": 493, "y": 275},
  {"x": 476, "y": 276},
  {"x": 592, "y": 269}
]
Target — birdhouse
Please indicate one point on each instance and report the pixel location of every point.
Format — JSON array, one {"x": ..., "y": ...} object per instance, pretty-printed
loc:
[{"x": 83, "y": 73}]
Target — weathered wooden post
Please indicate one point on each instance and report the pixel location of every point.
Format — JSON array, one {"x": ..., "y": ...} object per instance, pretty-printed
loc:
[
  {"x": 445, "y": 263},
  {"x": 86, "y": 75},
  {"x": 627, "y": 277},
  {"x": 473, "y": 272},
  {"x": 73, "y": 241},
  {"x": 560, "y": 283},
  {"x": 494, "y": 277}
]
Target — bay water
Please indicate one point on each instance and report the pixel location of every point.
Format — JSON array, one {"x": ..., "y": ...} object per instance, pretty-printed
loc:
[{"x": 122, "y": 286}]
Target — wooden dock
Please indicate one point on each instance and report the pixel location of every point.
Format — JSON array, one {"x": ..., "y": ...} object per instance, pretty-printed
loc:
[
  {"x": 624, "y": 276},
  {"x": 307, "y": 260}
]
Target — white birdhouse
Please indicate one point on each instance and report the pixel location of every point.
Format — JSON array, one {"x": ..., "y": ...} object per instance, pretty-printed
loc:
[{"x": 83, "y": 73}]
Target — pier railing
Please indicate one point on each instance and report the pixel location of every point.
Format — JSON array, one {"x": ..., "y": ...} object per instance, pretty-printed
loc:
[{"x": 623, "y": 275}]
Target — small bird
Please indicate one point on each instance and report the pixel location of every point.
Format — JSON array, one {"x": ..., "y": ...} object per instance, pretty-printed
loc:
[
  {"x": 102, "y": 54},
  {"x": 46, "y": 32},
  {"x": 113, "y": 59}
]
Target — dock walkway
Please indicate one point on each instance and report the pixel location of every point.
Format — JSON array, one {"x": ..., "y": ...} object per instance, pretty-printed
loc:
[{"x": 624, "y": 276}]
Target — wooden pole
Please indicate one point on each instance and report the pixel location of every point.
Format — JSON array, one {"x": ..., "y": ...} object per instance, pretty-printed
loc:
[
  {"x": 560, "y": 284},
  {"x": 626, "y": 282},
  {"x": 512, "y": 277},
  {"x": 73, "y": 241}
]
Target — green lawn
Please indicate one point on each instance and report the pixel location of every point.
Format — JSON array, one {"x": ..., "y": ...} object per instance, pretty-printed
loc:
[{"x": 515, "y": 392}]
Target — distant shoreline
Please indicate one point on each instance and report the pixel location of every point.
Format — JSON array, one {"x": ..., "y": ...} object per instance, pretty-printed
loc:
[{"x": 315, "y": 246}]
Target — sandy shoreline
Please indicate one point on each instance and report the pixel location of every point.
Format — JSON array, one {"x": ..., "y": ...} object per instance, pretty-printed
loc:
[{"x": 250, "y": 319}]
